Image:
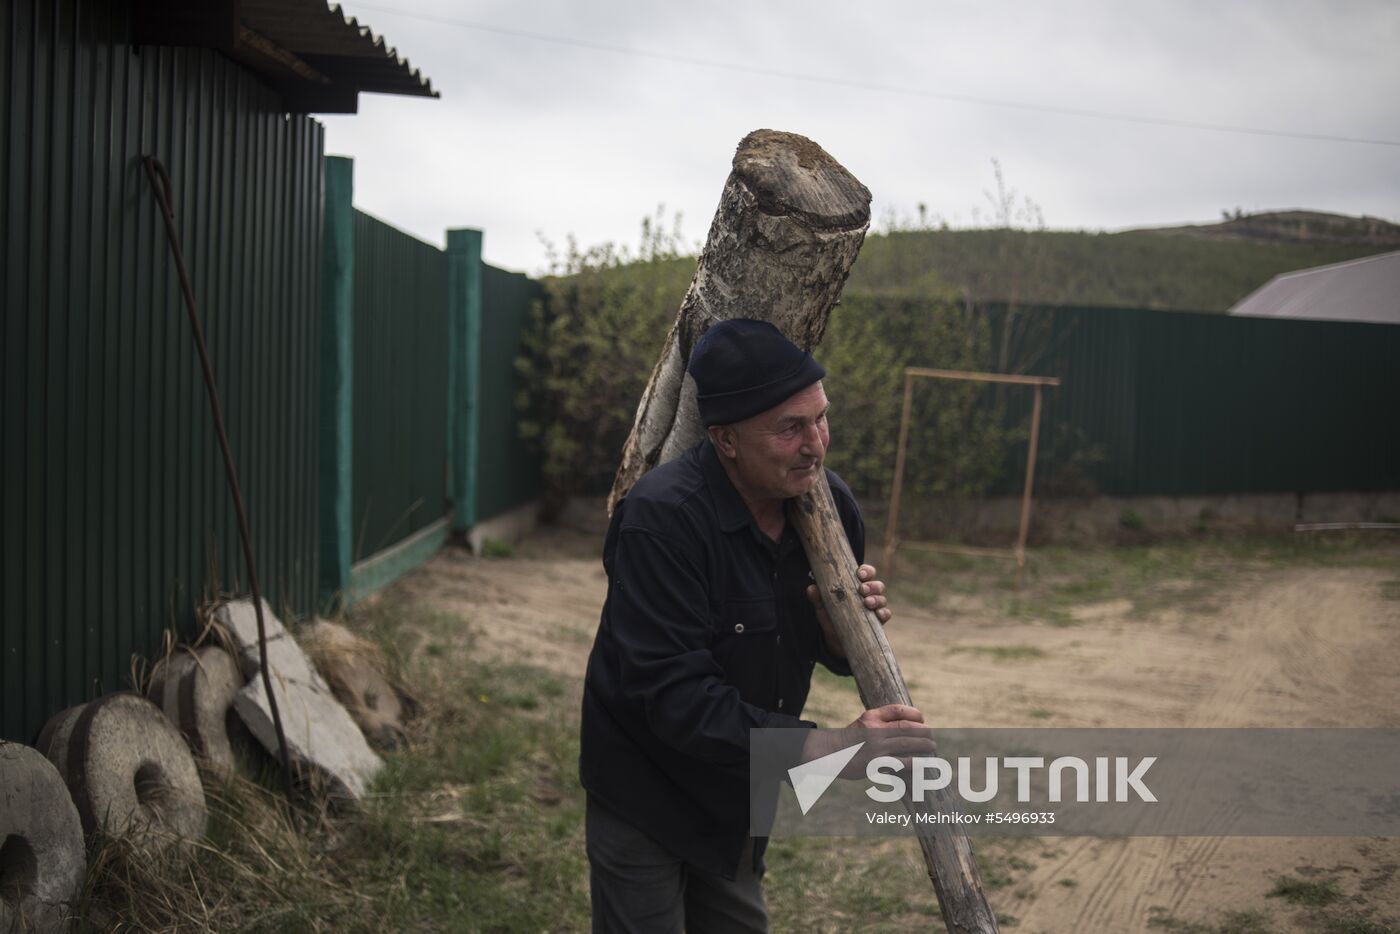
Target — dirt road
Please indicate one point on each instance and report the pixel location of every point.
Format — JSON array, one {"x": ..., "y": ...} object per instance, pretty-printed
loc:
[{"x": 1293, "y": 645}]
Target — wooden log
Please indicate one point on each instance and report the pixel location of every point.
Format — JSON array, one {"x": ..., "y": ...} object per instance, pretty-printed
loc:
[
  {"x": 790, "y": 222},
  {"x": 948, "y": 856},
  {"x": 789, "y": 225}
]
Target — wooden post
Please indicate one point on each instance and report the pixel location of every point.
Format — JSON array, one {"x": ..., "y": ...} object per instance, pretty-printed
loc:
[
  {"x": 1018, "y": 552},
  {"x": 892, "y": 520},
  {"x": 790, "y": 222},
  {"x": 1026, "y": 492}
]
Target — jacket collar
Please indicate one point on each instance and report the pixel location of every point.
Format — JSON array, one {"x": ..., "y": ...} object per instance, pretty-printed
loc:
[{"x": 729, "y": 505}]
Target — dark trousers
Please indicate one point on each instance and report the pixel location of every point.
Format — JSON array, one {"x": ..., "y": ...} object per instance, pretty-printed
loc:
[{"x": 639, "y": 888}]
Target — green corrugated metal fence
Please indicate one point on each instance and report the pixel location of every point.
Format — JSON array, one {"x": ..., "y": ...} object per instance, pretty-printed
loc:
[
  {"x": 419, "y": 435},
  {"x": 115, "y": 513},
  {"x": 508, "y": 472},
  {"x": 1176, "y": 403},
  {"x": 399, "y": 465}
]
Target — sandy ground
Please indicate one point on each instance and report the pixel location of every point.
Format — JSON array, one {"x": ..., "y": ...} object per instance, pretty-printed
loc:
[{"x": 1312, "y": 646}]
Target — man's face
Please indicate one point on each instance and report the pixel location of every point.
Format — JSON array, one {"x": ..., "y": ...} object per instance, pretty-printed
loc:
[{"x": 778, "y": 454}]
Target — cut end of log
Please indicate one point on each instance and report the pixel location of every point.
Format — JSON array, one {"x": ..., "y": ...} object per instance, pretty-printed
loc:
[
  {"x": 788, "y": 227},
  {"x": 791, "y": 176}
]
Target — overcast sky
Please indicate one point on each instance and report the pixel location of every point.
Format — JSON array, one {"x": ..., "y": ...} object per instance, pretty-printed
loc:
[{"x": 533, "y": 136}]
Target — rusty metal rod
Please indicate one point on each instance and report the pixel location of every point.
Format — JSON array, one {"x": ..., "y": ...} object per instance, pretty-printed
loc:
[{"x": 161, "y": 186}]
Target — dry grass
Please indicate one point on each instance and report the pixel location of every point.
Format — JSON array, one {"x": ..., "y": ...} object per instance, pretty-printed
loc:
[{"x": 261, "y": 867}]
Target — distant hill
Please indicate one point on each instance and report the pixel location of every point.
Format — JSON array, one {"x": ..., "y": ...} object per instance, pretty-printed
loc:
[
  {"x": 1310, "y": 228},
  {"x": 1189, "y": 268}
]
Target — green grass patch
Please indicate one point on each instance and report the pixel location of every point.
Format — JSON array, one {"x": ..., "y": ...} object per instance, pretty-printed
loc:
[
  {"x": 846, "y": 884},
  {"x": 820, "y": 675},
  {"x": 1229, "y": 922},
  {"x": 1132, "y": 520},
  {"x": 1000, "y": 653},
  {"x": 495, "y": 548},
  {"x": 1002, "y": 861},
  {"x": 1243, "y": 922},
  {"x": 1356, "y": 924},
  {"x": 1159, "y": 920},
  {"x": 1094, "y": 587},
  {"x": 1314, "y": 893},
  {"x": 1190, "y": 575}
]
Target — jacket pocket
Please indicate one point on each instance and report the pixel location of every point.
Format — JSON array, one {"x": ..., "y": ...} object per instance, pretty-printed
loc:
[
  {"x": 748, "y": 616},
  {"x": 745, "y": 642}
]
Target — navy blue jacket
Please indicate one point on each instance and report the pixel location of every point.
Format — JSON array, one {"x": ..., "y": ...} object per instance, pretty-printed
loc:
[{"x": 706, "y": 634}]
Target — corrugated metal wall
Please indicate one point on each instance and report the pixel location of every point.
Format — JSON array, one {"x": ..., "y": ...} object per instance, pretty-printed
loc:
[
  {"x": 114, "y": 508},
  {"x": 399, "y": 434},
  {"x": 508, "y": 472},
  {"x": 1183, "y": 404},
  {"x": 1228, "y": 404}
]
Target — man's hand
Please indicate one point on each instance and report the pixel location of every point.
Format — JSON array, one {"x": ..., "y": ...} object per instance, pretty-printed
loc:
[
  {"x": 889, "y": 717},
  {"x": 906, "y": 737},
  {"x": 872, "y": 593}
]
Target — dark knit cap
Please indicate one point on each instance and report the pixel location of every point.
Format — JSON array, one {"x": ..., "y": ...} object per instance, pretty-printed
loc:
[{"x": 743, "y": 367}]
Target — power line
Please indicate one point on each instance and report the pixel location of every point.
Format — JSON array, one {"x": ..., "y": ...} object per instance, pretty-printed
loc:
[{"x": 883, "y": 88}]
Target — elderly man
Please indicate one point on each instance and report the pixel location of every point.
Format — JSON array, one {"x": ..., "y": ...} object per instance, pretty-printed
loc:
[{"x": 711, "y": 628}]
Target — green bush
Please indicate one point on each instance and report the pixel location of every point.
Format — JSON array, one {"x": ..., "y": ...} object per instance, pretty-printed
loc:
[
  {"x": 591, "y": 345},
  {"x": 957, "y": 434}
]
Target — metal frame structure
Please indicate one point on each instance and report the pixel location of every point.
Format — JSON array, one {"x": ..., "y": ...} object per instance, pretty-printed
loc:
[{"x": 892, "y": 541}]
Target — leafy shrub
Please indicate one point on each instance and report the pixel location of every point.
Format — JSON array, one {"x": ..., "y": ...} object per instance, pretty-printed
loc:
[
  {"x": 957, "y": 433},
  {"x": 590, "y": 348}
]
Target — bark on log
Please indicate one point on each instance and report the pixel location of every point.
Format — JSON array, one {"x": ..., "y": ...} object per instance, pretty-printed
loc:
[
  {"x": 790, "y": 222},
  {"x": 789, "y": 225}
]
